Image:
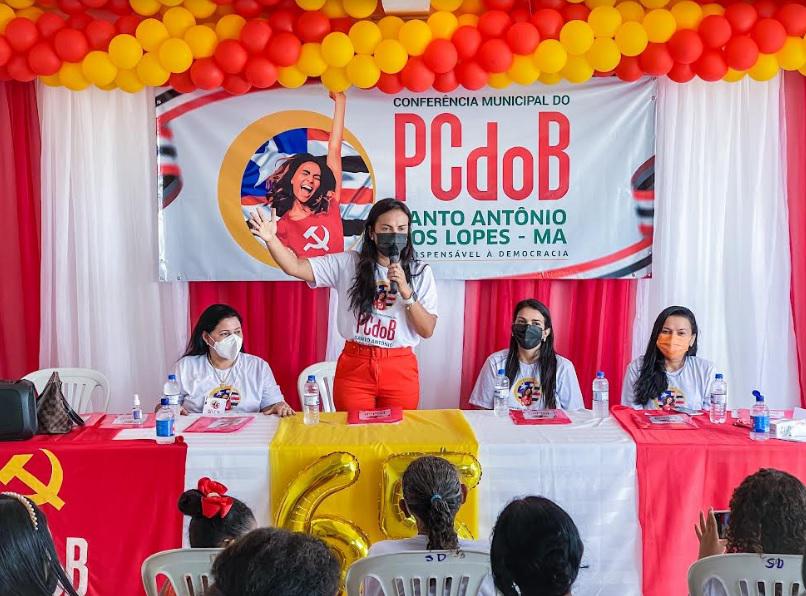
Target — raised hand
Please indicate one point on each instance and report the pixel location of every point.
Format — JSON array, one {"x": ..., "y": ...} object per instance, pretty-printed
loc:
[{"x": 263, "y": 227}]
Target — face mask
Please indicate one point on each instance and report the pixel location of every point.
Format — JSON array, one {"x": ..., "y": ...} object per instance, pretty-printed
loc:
[
  {"x": 673, "y": 347},
  {"x": 387, "y": 242},
  {"x": 229, "y": 348},
  {"x": 527, "y": 336}
]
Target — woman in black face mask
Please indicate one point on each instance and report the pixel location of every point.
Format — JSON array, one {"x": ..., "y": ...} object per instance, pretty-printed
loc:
[
  {"x": 538, "y": 377},
  {"x": 387, "y": 302}
]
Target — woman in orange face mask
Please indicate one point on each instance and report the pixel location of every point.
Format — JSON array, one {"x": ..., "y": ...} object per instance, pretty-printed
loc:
[{"x": 670, "y": 363}]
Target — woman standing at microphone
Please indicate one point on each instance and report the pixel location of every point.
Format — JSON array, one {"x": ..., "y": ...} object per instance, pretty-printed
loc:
[{"x": 377, "y": 368}]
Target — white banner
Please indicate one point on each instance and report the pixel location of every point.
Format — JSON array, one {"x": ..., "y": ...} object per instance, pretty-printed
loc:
[{"x": 554, "y": 182}]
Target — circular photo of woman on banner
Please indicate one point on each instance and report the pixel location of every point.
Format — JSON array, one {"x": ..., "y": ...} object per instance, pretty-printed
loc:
[{"x": 318, "y": 183}]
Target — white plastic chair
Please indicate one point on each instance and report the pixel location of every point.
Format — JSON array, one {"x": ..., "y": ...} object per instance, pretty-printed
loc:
[
  {"x": 78, "y": 386},
  {"x": 188, "y": 570},
  {"x": 748, "y": 574},
  {"x": 422, "y": 573},
  {"x": 324, "y": 372}
]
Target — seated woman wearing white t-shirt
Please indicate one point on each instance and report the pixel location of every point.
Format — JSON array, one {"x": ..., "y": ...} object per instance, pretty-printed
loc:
[
  {"x": 432, "y": 494},
  {"x": 215, "y": 366},
  {"x": 539, "y": 378},
  {"x": 387, "y": 302},
  {"x": 670, "y": 370}
]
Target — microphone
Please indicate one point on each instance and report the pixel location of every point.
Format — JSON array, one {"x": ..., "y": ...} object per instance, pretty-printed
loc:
[{"x": 394, "y": 257}]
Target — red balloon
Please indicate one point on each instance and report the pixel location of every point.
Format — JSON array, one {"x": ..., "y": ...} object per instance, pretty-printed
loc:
[
  {"x": 269, "y": 3},
  {"x": 440, "y": 56},
  {"x": 342, "y": 24},
  {"x": 655, "y": 60},
  {"x": 94, "y": 3},
  {"x": 628, "y": 69},
  {"x": 312, "y": 26},
  {"x": 467, "y": 41},
  {"x": 283, "y": 49},
  {"x": 793, "y": 18},
  {"x": 685, "y": 46},
  {"x": 495, "y": 55},
  {"x": 741, "y": 17},
  {"x": 260, "y": 72},
  {"x": 576, "y": 12},
  {"x": 21, "y": 34},
  {"x": 182, "y": 82},
  {"x": 711, "y": 66},
  {"x": 389, "y": 83},
  {"x": 553, "y": 4},
  {"x": 523, "y": 38},
  {"x": 493, "y": 23},
  {"x": 119, "y": 7},
  {"x": 471, "y": 76},
  {"x": 5, "y": 51},
  {"x": 770, "y": 35},
  {"x": 548, "y": 22},
  {"x": 49, "y": 23},
  {"x": 248, "y": 9},
  {"x": 715, "y": 31},
  {"x": 70, "y": 45},
  {"x": 741, "y": 52},
  {"x": 235, "y": 85},
  {"x": 520, "y": 15},
  {"x": 205, "y": 74},
  {"x": 505, "y": 5},
  {"x": 71, "y": 6},
  {"x": 79, "y": 21},
  {"x": 765, "y": 8},
  {"x": 681, "y": 73},
  {"x": 283, "y": 20},
  {"x": 446, "y": 82},
  {"x": 18, "y": 69},
  {"x": 99, "y": 34},
  {"x": 416, "y": 76},
  {"x": 43, "y": 60},
  {"x": 128, "y": 24},
  {"x": 255, "y": 35},
  {"x": 230, "y": 56}
]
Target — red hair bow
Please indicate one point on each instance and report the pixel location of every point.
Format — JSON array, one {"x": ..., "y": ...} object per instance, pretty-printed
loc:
[{"x": 214, "y": 500}]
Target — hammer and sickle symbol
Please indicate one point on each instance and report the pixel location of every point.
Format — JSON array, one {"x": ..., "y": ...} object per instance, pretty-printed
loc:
[
  {"x": 320, "y": 243},
  {"x": 42, "y": 492}
]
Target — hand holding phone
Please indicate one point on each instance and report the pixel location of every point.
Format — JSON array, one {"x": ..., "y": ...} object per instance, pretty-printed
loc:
[
  {"x": 706, "y": 530},
  {"x": 722, "y": 517}
]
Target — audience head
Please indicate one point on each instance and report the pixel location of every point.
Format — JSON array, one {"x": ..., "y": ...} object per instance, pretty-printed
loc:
[
  {"x": 30, "y": 566},
  {"x": 215, "y": 518},
  {"x": 216, "y": 324},
  {"x": 271, "y": 561},
  {"x": 536, "y": 549},
  {"x": 532, "y": 330},
  {"x": 433, "y": 494},
  {"x": 768, "y": 515}
]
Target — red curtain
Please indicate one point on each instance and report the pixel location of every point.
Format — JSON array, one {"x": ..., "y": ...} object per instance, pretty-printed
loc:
[
  {"x": 592, "y": 321},
  {"x": 285, "y": 323},
  {"x": 19, "y": 229}
]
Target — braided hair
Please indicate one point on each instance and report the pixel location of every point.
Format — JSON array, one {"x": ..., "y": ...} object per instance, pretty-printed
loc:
[{"x": 433, "y": 493}]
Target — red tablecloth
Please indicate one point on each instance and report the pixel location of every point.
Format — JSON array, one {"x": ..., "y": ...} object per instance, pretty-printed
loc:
[
  {"x": 110, "y": 504},
  {"x": 681, "y": 472}
]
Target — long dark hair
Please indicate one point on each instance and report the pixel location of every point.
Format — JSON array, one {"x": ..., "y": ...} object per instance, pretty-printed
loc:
[
  {"x": 212, "y": 532},
  {"x": 281, "y": 194},
  {"x": 433, "y": 493},
  {"x": 547, "y": 360},
  {"x": 536, "y": 549},
  {"x": 30, "y": 564},
  {"x": 652, "y": 381},
  {"x": 362, "y": 292},
  {"x": 208, "y": 320}
]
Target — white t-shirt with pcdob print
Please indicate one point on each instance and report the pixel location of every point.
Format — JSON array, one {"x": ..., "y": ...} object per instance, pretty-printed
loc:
[{"x": 388, "y": 326}]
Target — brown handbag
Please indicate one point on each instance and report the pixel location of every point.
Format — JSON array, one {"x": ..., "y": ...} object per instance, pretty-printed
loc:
[{"x": 53, "y": 413}]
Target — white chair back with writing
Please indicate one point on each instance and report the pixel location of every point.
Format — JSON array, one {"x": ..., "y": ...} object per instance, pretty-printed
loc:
[
  {"x": 86, "y": 390},
  {"x": 324, "y": 372},
  {"x": 188, "y": 570},
  {"x": 422, "y": 573},
  {"x": 748, "y": 575}
]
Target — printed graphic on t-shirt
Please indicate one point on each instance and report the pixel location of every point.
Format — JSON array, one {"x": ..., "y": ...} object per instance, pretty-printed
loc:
[
  {"x": 527, "y": 391},
  {"x": 228, "y": 392},
  {"x": 677, "y": 398},
  {"x": 384, "y": 298}
]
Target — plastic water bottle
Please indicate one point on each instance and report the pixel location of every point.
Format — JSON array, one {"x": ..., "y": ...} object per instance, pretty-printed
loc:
[
  {"x": 601, "y": 396},
  {"x": 170, "y": 390},
  {"x": 719, "y": 400},
  {"x": 760, "y": 415},
  {"x": 310, "y": 401},
  {"x": 501, "y": 394},
  {"x": 137, "y": 411},
  {"x": 165, "y": 423}
]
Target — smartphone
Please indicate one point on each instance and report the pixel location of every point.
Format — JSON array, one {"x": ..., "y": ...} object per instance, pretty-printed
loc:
[
  {"x": 689, "y": 411},
  {"x": 722, "y": 519}
]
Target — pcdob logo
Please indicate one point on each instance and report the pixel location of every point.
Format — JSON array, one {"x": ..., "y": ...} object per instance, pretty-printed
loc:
[{"x": 43, "y": 492}]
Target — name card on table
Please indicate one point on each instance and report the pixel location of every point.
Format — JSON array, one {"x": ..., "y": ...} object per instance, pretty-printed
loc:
[
  {"x": 531, "y": 417},
  {"x": 219, "y": 424},
  {"x": 377, "y": 416}
]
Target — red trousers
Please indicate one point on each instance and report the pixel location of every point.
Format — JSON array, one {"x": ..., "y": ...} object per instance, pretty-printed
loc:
[{"x": 368, "y": 377}]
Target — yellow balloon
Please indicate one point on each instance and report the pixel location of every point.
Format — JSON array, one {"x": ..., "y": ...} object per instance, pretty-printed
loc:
[
  {"x": 631, "y": 38},
  {"x": 347, "y": 541},
  {"x": 311, "y": 63},
  {"x": 335, "y": 79},
  {"x": 337, "y": 49},
  {"x": 713, "y": 8},
  {"x": 390, "y": 26},
  {"x": 471, "y": 7},
  {"x": 177, "y": 20},
  {"x": 363, "y": 72},
  {"x": 604, "y": 20},
  {"x": 576, "y": 37},
  {"x": 688, "y": 14},
  {"x": 19, "y": 4},
  {"x": 577, "y": 69},
  {"x": 631, "y": 11},
  {"x": 550, "y": 78},
  {"x": 291, "y": 77},
  {"x": 415, "y": 36},
  {"x": 111, "y": 86},
  {"x": 765, "y": 68},
  {"x": 597, "y": 3},
  {"x": 128, "y": 81},
  {"x": 659, "y": 25},
  {"x": 145, "y": 8},
  {"x": 523, "y": 70},
  {"x": 802, "y": 70},
  {"x": 360, "y": 9},
  {"x": 201, "y": 9},
  {"x": 470, "y": 20},
  {"x": 792, "y": 55},
  {"x": 51, "y": 80},
  {"x": 72, "y": 77},
  {"x": 310, "y": 4},
  {"x": 333, "y": 9},
  {"x": 151, "y": 72},
  {"x": 125, "y": 51},
  {"x": 499, "y": 80},
  {"x": 365, "y": 36},
  {"x": 32, "y": 13},
  {"x": 6, "y": 14},
  {"x": 98, "y": 68},
  {"x": 733, "y": 76},
  {"x": 604, "y": 55},
  {"x": 654, "y": 3},
  {"x": 550, "y": 56},
  {"x": 175, "y": 55},
  {"x": 151, "y": 33},
  {"x": 447, "y": 5},
  {"x": 223, "y": 10},
  {"x": 201, "y": 40},
  {"x": 391, "y": 56},
  {"x": 229, "y": 26},
  {"x": 442, "y": 24}
]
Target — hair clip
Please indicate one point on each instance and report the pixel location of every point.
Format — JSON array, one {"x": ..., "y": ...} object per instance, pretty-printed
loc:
[
  {"x": 27, "y": 504},
  {"x": 436, "y": 497}
]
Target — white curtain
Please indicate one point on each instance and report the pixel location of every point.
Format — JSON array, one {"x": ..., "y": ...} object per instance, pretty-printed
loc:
[
  {"x": 102, "y": 306},
  {"x": 721, "y": 233}
]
